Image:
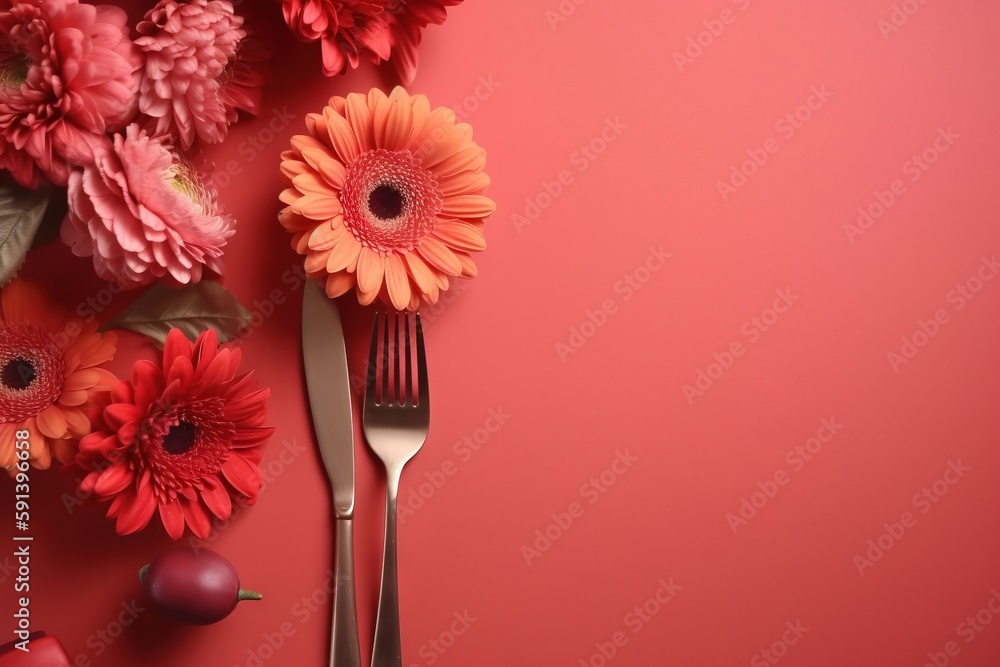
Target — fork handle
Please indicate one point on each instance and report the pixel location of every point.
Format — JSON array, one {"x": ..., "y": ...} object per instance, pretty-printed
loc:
[
  {"x": 345, "y": 650},
  {"x": 387, "y": 651}
]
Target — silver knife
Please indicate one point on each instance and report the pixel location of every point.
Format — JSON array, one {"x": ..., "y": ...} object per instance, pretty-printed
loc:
[{"x": 328, "y": 381}]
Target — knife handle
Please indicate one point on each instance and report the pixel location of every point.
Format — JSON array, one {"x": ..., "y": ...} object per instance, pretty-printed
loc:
[{"x": 345, "y": 650}]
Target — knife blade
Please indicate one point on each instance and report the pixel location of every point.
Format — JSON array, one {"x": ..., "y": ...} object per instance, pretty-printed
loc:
[{"x": 328, "y": 382}]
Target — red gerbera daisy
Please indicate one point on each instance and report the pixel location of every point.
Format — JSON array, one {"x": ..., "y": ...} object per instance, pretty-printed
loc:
[
  {"x": 407, "y": 20},
  {"x": 182, "y": 438}
]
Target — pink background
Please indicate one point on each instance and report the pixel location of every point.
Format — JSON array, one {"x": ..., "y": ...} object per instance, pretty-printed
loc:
[{"x": 676, "y": 131}]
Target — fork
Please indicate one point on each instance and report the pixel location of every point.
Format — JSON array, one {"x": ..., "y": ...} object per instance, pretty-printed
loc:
[{"x": 396, "y": 420}]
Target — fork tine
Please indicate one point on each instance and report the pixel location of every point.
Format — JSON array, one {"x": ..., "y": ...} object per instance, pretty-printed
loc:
[
  {"x": 385, "y": 398},
  {"x": 410, "y": 394},
  {"x": 424, "y": 392},
  {"x": 371, "y": 381},
  {"x": 399, "y": 391}
]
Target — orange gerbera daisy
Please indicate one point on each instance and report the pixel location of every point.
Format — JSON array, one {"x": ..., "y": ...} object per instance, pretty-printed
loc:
[
  {"x": 49, "y": 372},
  {"x": 386, "y": 196}
]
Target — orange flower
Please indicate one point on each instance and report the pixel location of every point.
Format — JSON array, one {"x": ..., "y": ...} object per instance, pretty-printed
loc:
[
  {"x": 386, "y": 196},
  {"x": 48, "y": 375}
]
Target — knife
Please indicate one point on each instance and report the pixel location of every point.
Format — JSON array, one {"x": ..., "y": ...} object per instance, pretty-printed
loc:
[{"x": 325, "y": 355}]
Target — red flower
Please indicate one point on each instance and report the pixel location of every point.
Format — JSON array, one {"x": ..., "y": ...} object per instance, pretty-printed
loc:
[
  {"x": 407, "y": 20},
  {"x": 346, "y": 28},
  {"x": 182, "y": 438}
]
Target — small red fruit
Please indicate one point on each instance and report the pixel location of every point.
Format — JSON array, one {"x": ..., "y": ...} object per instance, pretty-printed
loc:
[{"x": 199, "y": 587}]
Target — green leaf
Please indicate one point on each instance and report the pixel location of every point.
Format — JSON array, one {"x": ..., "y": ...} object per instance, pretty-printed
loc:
[
  {"x": 192, "y": 309},
  {"x": 21, "y": 212}
]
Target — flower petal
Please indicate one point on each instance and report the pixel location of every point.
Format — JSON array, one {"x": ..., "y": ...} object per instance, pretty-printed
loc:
[
  {"x": 468, "y": 206},
  {"x": 371, "y": 268},
  {"x": 196, "y": 517},
  {"x": 172, "y": 517},
  {"x": 460, "y": 236},
  {"x": 217, "y": 499},
  {"x": 397, "y": 281},
  {"x": 244, "y": 477},
  {"x": 344, "y": 254},
  {"x": 136, "y": 511},
  {"x": 51, "y": 422},
  {"x": 439, "y": 256},
  {"x": 114, "y": 480}
]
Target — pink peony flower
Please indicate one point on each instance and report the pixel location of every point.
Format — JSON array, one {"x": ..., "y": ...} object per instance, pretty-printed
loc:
[
  {"x": 67, "y": 76},
  {"x": 407, "y": 20},
  {"x": 191, "y": 55},
  {"x": 346, "y": 28},
  {"x": 143, "y": 214}
]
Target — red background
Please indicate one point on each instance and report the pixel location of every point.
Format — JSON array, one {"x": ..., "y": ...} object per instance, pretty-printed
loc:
[{"x": 555, "y": 86}]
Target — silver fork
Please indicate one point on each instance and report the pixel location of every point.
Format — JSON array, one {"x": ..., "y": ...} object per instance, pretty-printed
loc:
[{"x": 396, "y": 420}]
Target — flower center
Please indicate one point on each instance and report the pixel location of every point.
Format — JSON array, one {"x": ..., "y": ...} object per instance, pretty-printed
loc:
[
  {"x": 14, "y": 71},
  {"x": 18, "y": 374},
  {"x": 385, "y": 202},
  {"x": 183, "y": 443},
  {"x": 180, "y": 438},
  {"x": 184, "y": 179},
  {"x": 391, "y": 201},
  {"x": 31, "y": 371},
  {"x": 14, "y": 65}
]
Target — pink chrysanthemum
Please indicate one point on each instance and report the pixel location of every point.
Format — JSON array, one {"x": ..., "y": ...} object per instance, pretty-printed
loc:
[
  {"x": 180, "y": 439},
  {"x": 387, "y": 197},
  {"x": 407, "y": 20},
  {"x": 68, "y": 74},
  {"x": 346, "y": 29},
  {"x": 144, "y": 213},
  {"x": 50, "y": 371},
  {"x": 191, "y": 55}
]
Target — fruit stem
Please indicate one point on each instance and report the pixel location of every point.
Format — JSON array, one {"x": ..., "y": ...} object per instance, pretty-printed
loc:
[
  {"x": 248, "y": 595},
  {"x": 143, "y": 571}
]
